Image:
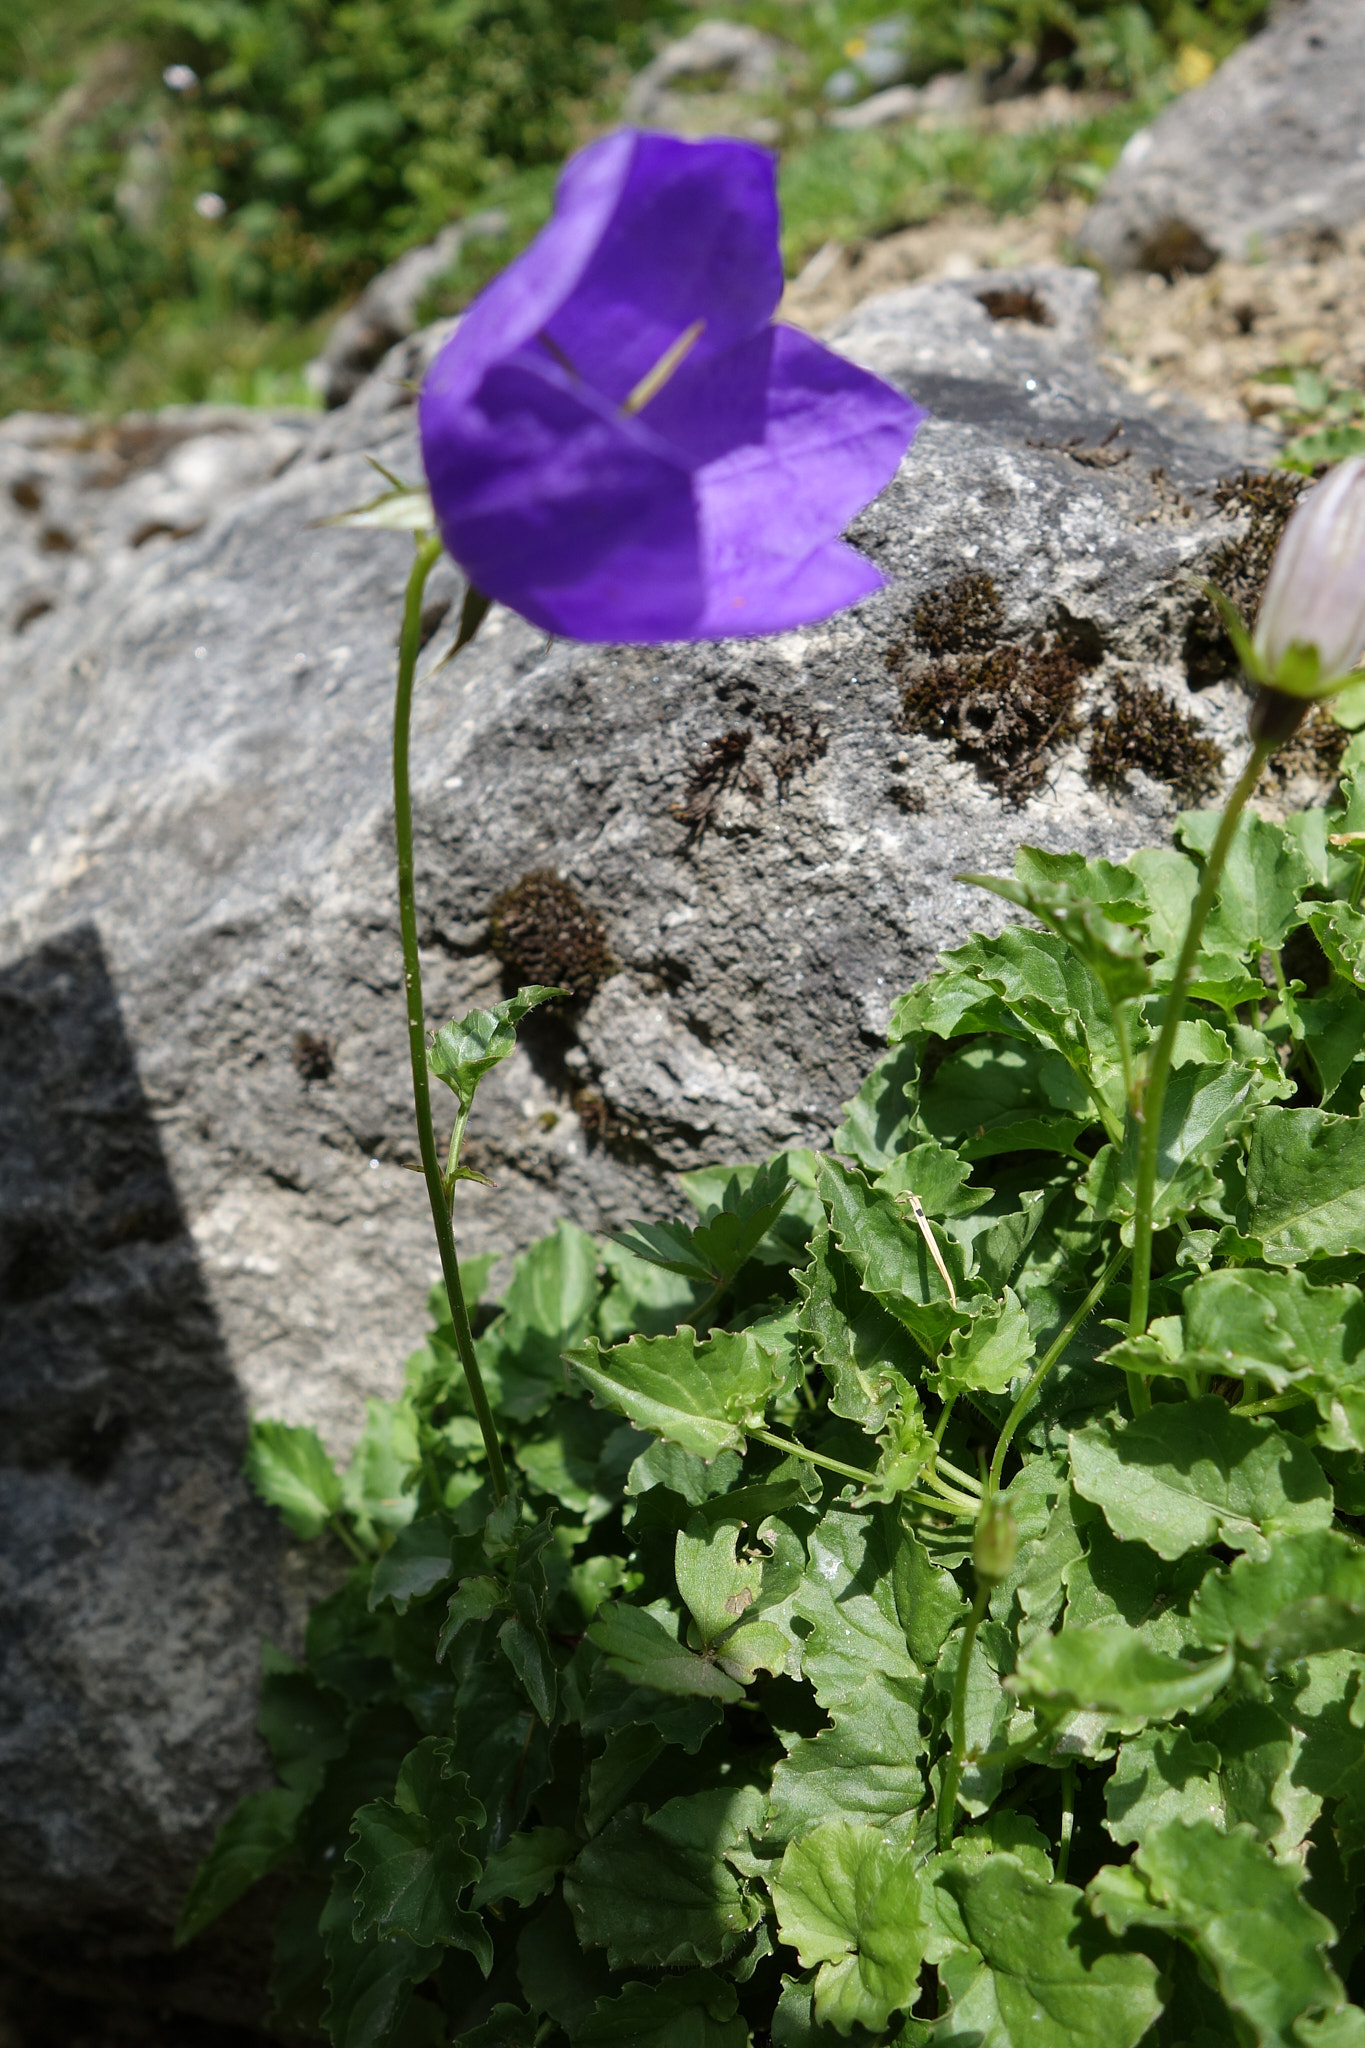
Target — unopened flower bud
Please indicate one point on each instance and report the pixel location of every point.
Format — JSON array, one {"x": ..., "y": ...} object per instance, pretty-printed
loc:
[
  {"x": 996, "y": 1542},
  {"x": 1311, "y": 629}
]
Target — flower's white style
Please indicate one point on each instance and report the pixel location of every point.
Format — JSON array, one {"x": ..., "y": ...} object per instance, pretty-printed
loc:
[{"x": 1310, "y": 633}]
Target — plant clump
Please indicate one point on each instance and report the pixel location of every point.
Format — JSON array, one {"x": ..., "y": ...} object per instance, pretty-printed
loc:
[
  {"x": 1240, "y": 567},
  {"x": 964, "y": 617},
  {"x": 1314, "y": 752},
  {"x": 1003, "y": 710},
  {"x": 543, "y": 932},
  {"x": 1146, "y": 730}
]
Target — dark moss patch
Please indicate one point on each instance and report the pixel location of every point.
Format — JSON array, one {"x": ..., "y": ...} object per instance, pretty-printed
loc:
[
  {"x": 543, "y": 932},
  {"x": 794, "y": 743},
  {"x": 1009, "y": 303},
  {"x": 1146, "y": 730},
  {"x": 312, "y": 1057},
  {"x": 724, "y": 765},
  {"x": 1315, "y": 751},
  {"x": 1003, "y": 710},
  {"x": 962, "y": 618},
  {"x": 1240, "y": 567}
]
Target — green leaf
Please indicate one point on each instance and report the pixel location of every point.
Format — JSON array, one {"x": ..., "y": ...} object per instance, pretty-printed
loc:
[
  {"x": 670, "y": 1245},
  {"x": 1203, "y": 1110},
  {"x": 1056, "y": 999},
  {"x": 1048, "y": 1977},
  {"x": 506, "y": 2027},
  {"x": 304, "y": 1723},
  {"x": 877, "y": 1122},
  {"x": 641, "y": 1649},
  {"x": 1258, "y": 895},
  {"x": 730, "y": 1233},
  {"x": 990, "y": 1353},
  {"x": 253, "y": 1839},
  {"x": 291, "y": 1471},
  {"x": 1183, "y": 1476},
  {"x": 866, "y": 1353},
  {"x": 906, "y": 1449},
  {"x": 547, "y": 1308},
  {"x": 889, "y": 1255},
  {"x": 1333, "y": 1034},
  {"x": 411, "y": 1857},
  {"x": 415, "y": 1564},
  {"x": 1112, "y": 1669},
  {"x": 1307, "y": 1597},
  {"x": 852, "y": 1770},
  {"x": 525, "y": 1867},
  {"x": 700, "y": 1396},
  {"x": 998, "y": 1095},
  {"x": 717, "y": 1586},
  {"x": 1240, "y": 1911},
  {"x": 369, "y": 1981},
  {"x": 1243, "y": 1321},
  {"x": 469, "y": 1047},
  {"x": 404, "y": 509},
  {"x": 658, "y": 1892},
  {"x": 1161, "y": 1774},
  {"x": 1305, "y": 1184},
  {"x": 696, "y": 2011},
  {"x": 1340, "y": 930},
  {"x": 850, "y": 1903},
  {"x": 1071, "y": 896},
  {"x": 374, "y": 1488},
  {"x": 857, "y": 1659}
]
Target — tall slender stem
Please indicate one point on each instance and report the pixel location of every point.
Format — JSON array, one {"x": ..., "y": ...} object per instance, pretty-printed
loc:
[
  {"x": 409, "y": 647},
  {"x": 1046, "y": 1363},
  {"x": 1154, "y": 1093},
  {"x": 952, "y": 1776}
]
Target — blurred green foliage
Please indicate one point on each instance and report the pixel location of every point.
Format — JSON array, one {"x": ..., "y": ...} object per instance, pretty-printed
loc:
[{"x": 187, "y": 240}]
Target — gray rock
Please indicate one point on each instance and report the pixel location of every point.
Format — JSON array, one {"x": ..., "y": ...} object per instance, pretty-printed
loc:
[
  {"x": 386, "y": 311},
  {"x": 209, "y": 1210},
  {"x": 1267, "y": 152},
  {"x": 949, "y": 97},
  {"x": 697, "y": 85}
]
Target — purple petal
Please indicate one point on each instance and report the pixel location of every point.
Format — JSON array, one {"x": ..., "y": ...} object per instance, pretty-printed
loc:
[
  {"x": 694, "y": 237},
  {"x": 832, "y": 438},
  {"x": 513, "y": 309},
  {"x": 557, "y": 506},
  {"x": 649, "y": 235},
  {"x": 770, "y": 596}
]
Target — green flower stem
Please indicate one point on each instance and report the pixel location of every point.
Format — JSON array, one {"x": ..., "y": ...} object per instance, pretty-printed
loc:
[
  {"x": 1045, "y": 1365},
  {"x": 409, "y": 647},
  {"x": 966, "y": 1480},
  {"x": 357, "y": 1550},
  {"x": 1154, "y": 1094},
  {"x": 952, "y": 1776},
  {"x": 946, "y": 1501},
  {"x": 1068, "y": 1821}
]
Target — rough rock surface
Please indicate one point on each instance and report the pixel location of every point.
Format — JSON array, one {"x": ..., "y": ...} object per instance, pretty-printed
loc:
[
  {"x": 210, "y": 1211},
  {"x": 386, "y": 311},
  {"x": 1267, "y": 151}
]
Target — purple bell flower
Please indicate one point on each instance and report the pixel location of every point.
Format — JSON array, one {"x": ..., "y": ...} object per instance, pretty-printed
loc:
[{"x": 620, "y": 443}]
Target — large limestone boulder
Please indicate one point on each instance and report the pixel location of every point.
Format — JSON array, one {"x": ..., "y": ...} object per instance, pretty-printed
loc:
[
  {"x": 1267, "y": 152},
  {"x": 738, "y": 852}
]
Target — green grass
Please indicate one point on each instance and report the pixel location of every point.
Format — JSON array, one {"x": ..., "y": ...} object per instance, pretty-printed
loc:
[{"x": 339, "y": 132}]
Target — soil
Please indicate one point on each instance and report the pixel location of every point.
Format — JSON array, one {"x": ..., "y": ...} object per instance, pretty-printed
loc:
[{"x": 1208, "y": 339}]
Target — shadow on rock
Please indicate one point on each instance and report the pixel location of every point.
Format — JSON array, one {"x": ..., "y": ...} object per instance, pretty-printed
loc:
[{"x": 136, "y": 1572}]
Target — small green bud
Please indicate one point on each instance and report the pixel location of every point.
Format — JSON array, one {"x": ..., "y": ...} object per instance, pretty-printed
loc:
[{"x": 996, "y": 1542}]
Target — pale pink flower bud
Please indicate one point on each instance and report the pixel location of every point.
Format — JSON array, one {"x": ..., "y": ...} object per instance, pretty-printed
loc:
[{"x": 1311, "y": 630}]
